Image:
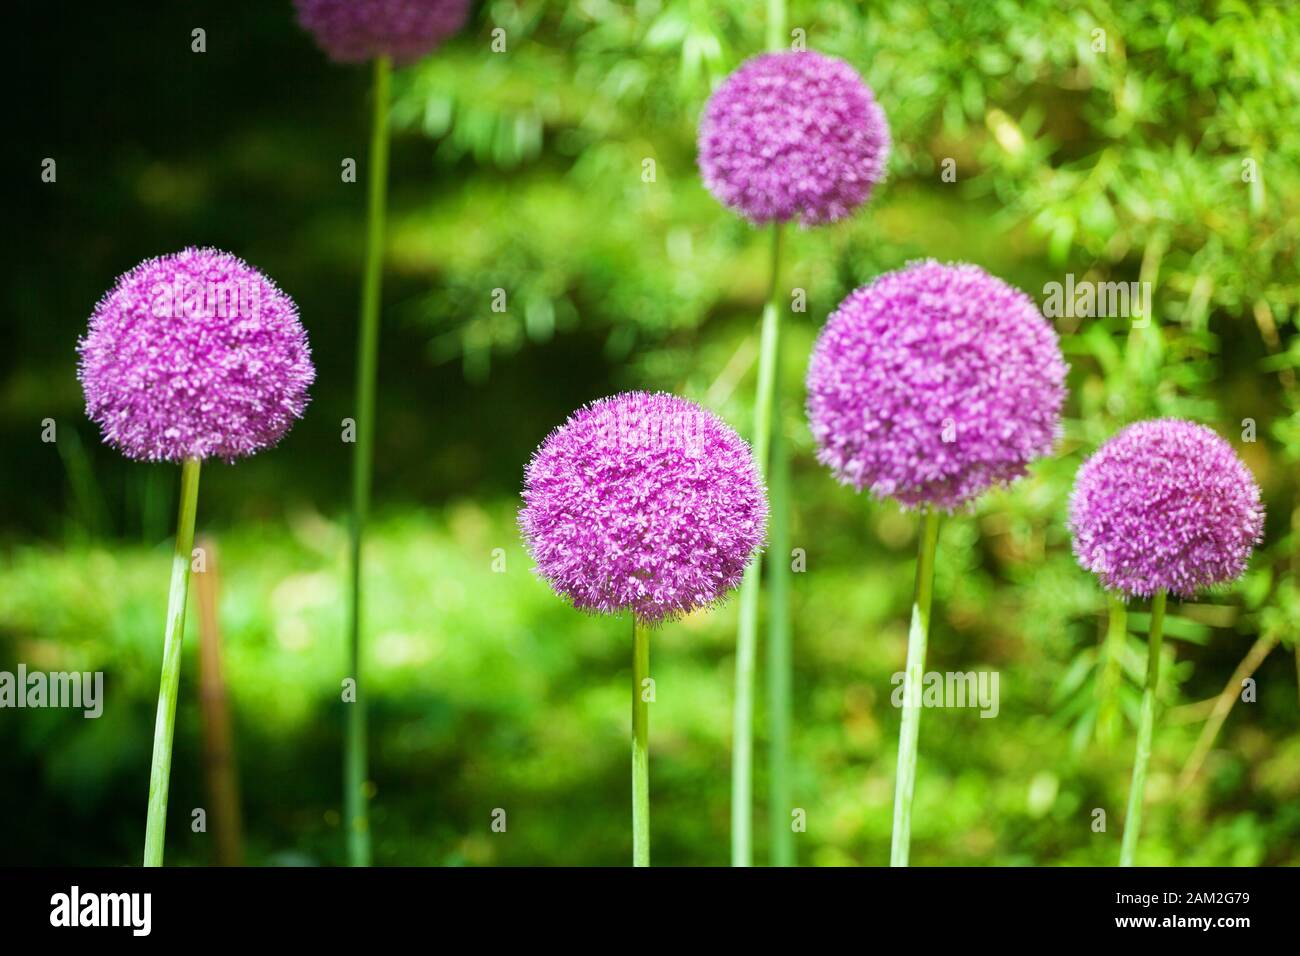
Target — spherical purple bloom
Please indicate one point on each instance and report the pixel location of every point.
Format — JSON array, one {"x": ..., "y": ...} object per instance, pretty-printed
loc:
[
  {"x": 194, "y": 355},
  {"x": 793, "y": 134},
  {"x": 934, "y": 383},
  {"x": 1165, "y": 505},
  {"x": 643, "y": 502},
  {"x": 353, "y": 31}
]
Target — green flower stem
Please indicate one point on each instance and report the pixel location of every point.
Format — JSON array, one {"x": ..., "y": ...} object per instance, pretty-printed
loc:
[
  {"x": 776, "y": 38},
  {"x": 1146, "y": 726},
  {"x": 768, "y": 443},
  {"x": 640, "y": 745},
  {"x": 160, "y": 772},
  {"x": 780, "y": 836},
  {"x": 742, "y": 738},
  {"x": 917, "y": 637},
  {"x": 742, "y": 742},
  {"x": 357, "y": 822}
]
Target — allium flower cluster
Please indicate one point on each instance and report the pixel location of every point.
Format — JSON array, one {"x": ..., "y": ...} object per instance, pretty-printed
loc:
[
  {"x": 194, "y": 355},
  {"x": 793, "y": 135},
  {"x": 643, "y": 502},
  {"x": 1165, "y": 504},
  {"x": 934, "y": 383},
  {"x": 353, "y": 31}
]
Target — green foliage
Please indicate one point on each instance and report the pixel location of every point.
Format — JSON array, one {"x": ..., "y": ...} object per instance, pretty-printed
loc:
[
  {"x": 489, "y": 692},
  {"x": 1155, "y": 143},
  {"x": 1171, "y": 156}
]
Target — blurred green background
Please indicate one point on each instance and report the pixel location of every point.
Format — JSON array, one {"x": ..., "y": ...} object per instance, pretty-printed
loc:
[{"x": 1171, "y": 155}]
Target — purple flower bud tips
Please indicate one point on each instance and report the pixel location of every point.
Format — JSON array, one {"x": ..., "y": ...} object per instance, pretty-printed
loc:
[
  {"x": 934, "y": 383},
  {"x": 643, "y": 502},
  {"x": 793, "y": 134},
  {"x": 353, "y": 31},
  {"x": 194, "y": 355},
  {"x": 1165, "y": 505}
]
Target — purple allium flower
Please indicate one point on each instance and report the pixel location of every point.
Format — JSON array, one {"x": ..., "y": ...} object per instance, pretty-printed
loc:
[
  {"x": 643, "y": 502},
  {"x": 793, "y": 134},
  {"x": 194, "y": 355},
  {"x": 353, "y": 31},
  {"x": 934, "y": 383},
  {"x": 1165, "y": 505}
]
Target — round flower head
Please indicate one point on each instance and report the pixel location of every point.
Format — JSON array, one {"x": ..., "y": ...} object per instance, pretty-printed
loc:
[
  {"x": 793, "y": 134},
  {"x": 643, "y": 502},
  {"x": 194, "y": 355},
  {"x": 353, "y": 31},
  {"x": 934, "y": 383},
  {"x": 1165, "y": 505}
]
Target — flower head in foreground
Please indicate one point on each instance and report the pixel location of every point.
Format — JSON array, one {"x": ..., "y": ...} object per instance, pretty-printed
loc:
[
  {"x": 934, "y": 383},
  {"x": 353, "y": 31},
  {"x": 194, "y": 355},
  {"x": 643, "y": 502},
  {"x": 793, "y": 135},
  {"x": 1165, "y": 505}
]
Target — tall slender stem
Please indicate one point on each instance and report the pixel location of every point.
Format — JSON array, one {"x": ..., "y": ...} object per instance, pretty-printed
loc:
[
  {"x": 776, "y": 38},
  {"x": 917, "y": 637},
  {"x": 640, "y": 745},
  {"x": 1146, "y": 726},
  {"x": 742, "y": 731},
  {"x": 780, "y": 836},
  {"x": 357, "y": 822},
  {"x": 164, "y": 726},
  {"x": 742, "y": 737}
]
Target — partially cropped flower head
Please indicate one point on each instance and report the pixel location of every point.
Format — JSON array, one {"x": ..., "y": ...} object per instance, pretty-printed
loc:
[
  {"x": 643, "y": 502},
  {"x": 194, "y": 355},
  {"x": 933, "y": 384},
  {"x": 793, "y": 135},
  {"x": 353, "y": 31},
  {"x": 1165, "y": 505}
]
